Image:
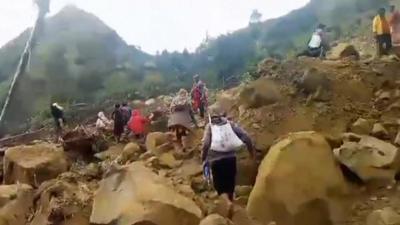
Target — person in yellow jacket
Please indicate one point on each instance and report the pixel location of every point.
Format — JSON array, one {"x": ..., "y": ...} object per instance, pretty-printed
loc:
[{"x": 381, "y": 29}]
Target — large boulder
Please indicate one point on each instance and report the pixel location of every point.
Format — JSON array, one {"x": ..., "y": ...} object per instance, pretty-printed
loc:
[
  {"x": 158, "y": 143},
  {"x": 15, "y": 204},
  {"x": 312, "y": 81},
  {"x": 298, "y": 183},
  {"x": 259, "y": 93},
  {"x": 33, "y": 164},
  {"x": 135, "y": 195},
  {"x": 344, "y": 50},
  {"x": 369, "y": 158}
]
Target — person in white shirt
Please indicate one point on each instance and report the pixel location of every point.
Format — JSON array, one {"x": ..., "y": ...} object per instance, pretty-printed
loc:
[{"x": 318, "y": 44}]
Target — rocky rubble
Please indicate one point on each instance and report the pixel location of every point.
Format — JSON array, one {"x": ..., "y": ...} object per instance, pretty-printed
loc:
[
  {"x": 304, "y": 109},
  {"x": 15, "y": 203}
]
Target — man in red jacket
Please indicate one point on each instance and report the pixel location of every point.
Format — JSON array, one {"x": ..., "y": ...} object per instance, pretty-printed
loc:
[{"x": 138, "y": 124}]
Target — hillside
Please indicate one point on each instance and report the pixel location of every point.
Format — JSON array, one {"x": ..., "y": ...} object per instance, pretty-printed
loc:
[
  {"x": 85, "y": 57},
  {"x": 78, "y": 59}
]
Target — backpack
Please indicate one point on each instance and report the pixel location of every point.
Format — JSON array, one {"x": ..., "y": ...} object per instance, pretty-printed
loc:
[{"x": 223, "y": 138}]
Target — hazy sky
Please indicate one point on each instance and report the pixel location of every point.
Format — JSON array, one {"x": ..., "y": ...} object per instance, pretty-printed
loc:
[{"x": 154, "y": 24}]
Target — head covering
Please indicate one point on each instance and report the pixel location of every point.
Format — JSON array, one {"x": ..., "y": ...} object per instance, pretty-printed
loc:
[
  {"x": 55, "y": 104},
  {"x": 182, "y": 98},
  {"x": 216, "y": 111}
]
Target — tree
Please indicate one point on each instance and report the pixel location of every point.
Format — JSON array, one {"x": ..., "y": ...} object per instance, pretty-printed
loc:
[{"x": 255, "y": 17}]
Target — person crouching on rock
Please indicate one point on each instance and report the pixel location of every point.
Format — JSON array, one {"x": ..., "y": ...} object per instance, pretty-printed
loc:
[
  {"x": 58, "y": 115},
  {"x": 138, "y": 124},
  {"x": 181, "y": 119},
  {"x": 222, "y": 138},
  {"x": 102, "y": 123}
]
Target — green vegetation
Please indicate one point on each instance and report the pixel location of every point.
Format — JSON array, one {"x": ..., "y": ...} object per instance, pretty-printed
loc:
[{"x": 80, "y": 59}]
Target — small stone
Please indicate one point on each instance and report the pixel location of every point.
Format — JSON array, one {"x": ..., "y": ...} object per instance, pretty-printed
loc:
[
  {"x": 379, "y": 131},
  {"x": 373, "y": 198},
  {"x": 362, "y": 126},
  {"x": 243, "y": 190},
  {"x": 256, "y": 126},
  {"x": 198, "y": 184},
  {"x": 397, "y": 139},
  {"x": 168, "y": 160}
]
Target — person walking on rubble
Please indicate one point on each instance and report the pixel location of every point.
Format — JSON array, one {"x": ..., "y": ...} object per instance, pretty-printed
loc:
[
  {"x": 381, "y": 30},
  {"x": 181, "y": 119},
  {"x": 138, "y": 125},
  {"x": 199, "y": 96},
  {"x": 222, "y": 138},
  {"x": 58, "y": 115},
  {"x": 119, "y": 122}
]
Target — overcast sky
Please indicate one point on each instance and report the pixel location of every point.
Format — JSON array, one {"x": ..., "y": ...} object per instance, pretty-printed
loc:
[{"x": 154, "y": 24}]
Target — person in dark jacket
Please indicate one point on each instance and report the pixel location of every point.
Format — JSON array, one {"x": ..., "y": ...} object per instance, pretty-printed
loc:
[
  {"x": 222, "y": 138},
  {"x": 126, "y": 112},
  {"x": 119, "y": 122},
  {"x": 58, "y": 115}
]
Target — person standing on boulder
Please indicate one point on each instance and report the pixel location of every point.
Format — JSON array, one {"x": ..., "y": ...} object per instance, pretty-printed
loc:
[
  {"x": 395, "y": 25},
  {"x": 199, "y": 96},
  {"x": 381, "y": 30},
  {"x": 222, "y": 138},
  {"x": 119, "y": 122},
  {"x": 181, "y": 118}
]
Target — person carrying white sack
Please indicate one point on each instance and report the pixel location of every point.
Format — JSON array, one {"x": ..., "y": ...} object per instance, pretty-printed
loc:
[{"x": 222, "y": 139}]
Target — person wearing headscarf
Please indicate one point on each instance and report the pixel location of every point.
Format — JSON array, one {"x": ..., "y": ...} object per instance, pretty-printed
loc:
[
  {"x": 221, "y": 141},
  {"x": 119, "y": 122},
  {"x": 181, "y": 118},
  {"x": 102, "y": 121}
]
